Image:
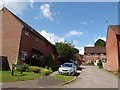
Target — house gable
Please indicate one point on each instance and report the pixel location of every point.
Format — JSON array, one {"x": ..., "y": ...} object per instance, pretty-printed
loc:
[
  {"x": 112, "y": 49},
  {"x": 11, "y": 33}
]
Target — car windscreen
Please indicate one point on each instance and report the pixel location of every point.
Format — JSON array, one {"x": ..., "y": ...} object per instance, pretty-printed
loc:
[{"x": 67, "y": 65}]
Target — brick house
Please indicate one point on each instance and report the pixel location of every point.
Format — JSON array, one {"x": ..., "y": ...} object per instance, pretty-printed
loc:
[
  {"x": 21, "y": 41},
  {"x": 94, "y": 54},
  {"x": 113, "y": 47}
]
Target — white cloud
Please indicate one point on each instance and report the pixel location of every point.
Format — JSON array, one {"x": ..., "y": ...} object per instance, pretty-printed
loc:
[
  {"x": 15, "y": 7},
  {"x": 75, "y": 42},
  {"x": 73, "y": 33},
  {"x": 81, "y": 50},
  {"x": 84, "y": 23},
  {"x": 51, "y": 37},
  {"x": 46, "y": 12},
  {"x": 31, "y": 3},
  {"x": 103, "y": 38}
]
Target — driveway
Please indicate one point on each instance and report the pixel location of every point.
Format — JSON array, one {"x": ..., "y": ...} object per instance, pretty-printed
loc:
[{"x": 92, "y": 77}]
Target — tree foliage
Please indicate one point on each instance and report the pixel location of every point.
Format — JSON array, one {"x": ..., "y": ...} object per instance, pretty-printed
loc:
[
  {"x": 76, "y": 51},
  {"x": 65, "y": 51},
  {"x": 100, "y": 43}
]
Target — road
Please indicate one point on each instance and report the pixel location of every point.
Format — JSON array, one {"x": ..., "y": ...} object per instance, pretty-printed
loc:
[{"x": 92, "y": 77}]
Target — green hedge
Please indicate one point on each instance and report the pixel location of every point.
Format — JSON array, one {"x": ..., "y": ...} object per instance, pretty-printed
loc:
[{"x": 34, "y": 69}]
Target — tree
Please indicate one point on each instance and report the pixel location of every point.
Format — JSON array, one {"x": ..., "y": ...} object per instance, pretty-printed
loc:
[
  {"x": 65, "y": 51},
  {"x": 100, "y": 43},
  {"x": 76, "y": 51}
]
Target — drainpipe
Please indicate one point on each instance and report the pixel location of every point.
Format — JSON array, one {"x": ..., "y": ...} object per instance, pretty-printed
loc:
[{"x": 118, "y": 51}]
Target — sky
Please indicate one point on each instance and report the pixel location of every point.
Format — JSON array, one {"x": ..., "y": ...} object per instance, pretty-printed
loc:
[{"x": 80, "y": 23}]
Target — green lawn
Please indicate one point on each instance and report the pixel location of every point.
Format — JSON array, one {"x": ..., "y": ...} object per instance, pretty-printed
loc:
[
  {"x": 64, "y": 77},
  {"x": 7, "y": 77}
]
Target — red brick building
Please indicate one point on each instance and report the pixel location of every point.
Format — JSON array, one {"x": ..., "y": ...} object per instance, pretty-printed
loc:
[
  {"x": 113, "y": 47},
  {"x": 94, "y": 54},
  {"x": 21, "y": 41}
]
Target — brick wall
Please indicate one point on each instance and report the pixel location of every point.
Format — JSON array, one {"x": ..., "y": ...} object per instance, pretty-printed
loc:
[
  {"x": 11, "y": 32},
  {"x": 29, "y": 42},
  {"x": 112, "y": 50},
  {"x": 92, "y": 57}
]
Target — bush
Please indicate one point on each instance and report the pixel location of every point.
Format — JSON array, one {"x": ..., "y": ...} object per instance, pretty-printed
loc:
[
  {"x": 100, "y": 64},
  {"x": 34, "y": 69},
  {"x": 46, "y": 71},
  {"x": 90, "y": 63},
  {"x": 25, "y": 67},
  {"x": 51, "y": 62}
]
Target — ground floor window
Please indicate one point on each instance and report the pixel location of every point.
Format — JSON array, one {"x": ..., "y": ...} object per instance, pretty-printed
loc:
[
  {"x": 88, "y": 61},
  {"x": 24, "y": 55}
]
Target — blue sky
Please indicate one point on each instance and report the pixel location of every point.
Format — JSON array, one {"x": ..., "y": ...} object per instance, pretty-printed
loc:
[{"x": 79, "y": 22}]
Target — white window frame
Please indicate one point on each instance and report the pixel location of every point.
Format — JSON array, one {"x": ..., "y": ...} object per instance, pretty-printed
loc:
[
  {"x": 24, "y": 55},
  {"x": 88, "y": 54},
  {"x": 27, "y": 33},
  {"x": 37, "y": 39}
]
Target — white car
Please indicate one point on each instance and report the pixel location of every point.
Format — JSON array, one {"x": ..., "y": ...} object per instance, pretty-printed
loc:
[{"x": 67, "y": 68}]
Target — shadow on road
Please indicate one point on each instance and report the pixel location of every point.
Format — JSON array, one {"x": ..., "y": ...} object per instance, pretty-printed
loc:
[
  {"x": 79, "y": 71},
  {"x": 80, "y": 68}
]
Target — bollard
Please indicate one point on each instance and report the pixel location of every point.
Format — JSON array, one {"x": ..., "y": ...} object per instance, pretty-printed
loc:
[{"x": 13, "y": 70}]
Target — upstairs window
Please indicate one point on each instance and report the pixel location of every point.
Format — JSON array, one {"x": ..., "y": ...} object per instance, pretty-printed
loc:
[
  {"x": 88, "y": 54},
  {"x": 24, "y": 55},
  {"x": 36, "y": 39},
  {"x": 26, "y": 33},
  {"x": 96, "y": 55}
]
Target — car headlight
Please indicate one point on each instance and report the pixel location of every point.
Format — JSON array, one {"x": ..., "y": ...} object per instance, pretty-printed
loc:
[{"x": 60, "y": 69}]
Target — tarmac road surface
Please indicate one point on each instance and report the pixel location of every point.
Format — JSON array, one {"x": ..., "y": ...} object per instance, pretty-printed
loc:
[{"x": 93, "y": 77}]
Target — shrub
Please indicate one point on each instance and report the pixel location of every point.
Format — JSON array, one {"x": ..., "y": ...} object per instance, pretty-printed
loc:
[
  {"x": 51, "y": 62},
  {"x": 34, "y": 69},
  {"x": 46, "y": 71},
  {"x": 25, "y": 67},
  {"x": 90, "y": 63},
  {"x": 100, "y": 64}
]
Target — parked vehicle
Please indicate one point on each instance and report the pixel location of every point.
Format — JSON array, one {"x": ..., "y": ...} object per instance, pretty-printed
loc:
[
  {"x": 76, "y": 63},
  {"x": 67, "y": 68}
]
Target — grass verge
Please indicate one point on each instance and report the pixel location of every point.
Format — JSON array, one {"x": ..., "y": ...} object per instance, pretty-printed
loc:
[
  {"x": 7, "y": 77},
  {"x": 64, "y": 77}
]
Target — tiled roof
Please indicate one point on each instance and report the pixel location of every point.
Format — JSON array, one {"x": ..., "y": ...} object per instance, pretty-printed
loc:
[
  {"x": 115, "y": 28},
  {"x": 94, "y": 50}
]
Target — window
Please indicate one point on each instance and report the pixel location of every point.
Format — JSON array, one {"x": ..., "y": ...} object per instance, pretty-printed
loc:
[
  {"x": 96, "y": 55},
  {"x": 36, "y": 39},
  {"x": 23, "y": 55},
  {"x": 88, "y": 61},
  {"x": 88, "y": 54},
  {"x": 35, "y": 56},
  {"x": 26, "y": 33},
  {"x": 103, "y": 55}
]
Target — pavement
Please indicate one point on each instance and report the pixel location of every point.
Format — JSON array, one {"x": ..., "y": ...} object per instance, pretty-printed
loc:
[
  {"x": 43, "y": 82},
  {"x": 93, "y": 77}
]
